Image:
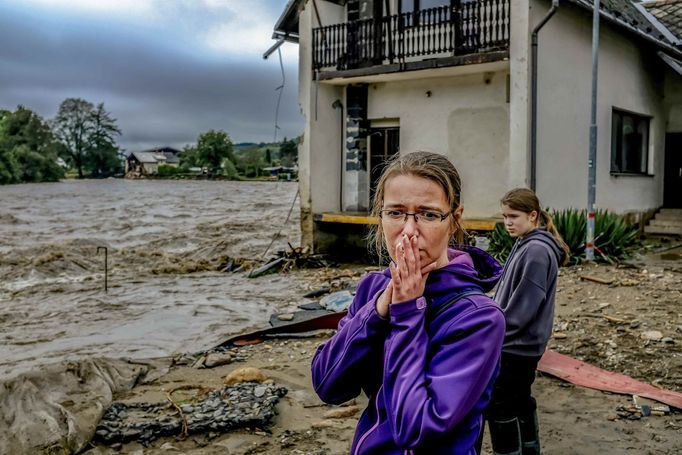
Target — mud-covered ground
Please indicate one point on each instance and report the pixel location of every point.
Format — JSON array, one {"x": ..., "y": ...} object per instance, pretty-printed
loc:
[
  {"x": 611, "y": 325},
  {"x": 170, "y": 246}
]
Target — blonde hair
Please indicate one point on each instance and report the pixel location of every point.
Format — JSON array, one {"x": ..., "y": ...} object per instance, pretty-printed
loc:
[
  {"x": 526, "y": 201},
  {"x": 431, "y": 166}
]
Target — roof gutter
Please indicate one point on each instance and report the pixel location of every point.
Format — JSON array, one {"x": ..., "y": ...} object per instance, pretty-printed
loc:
[{"x": 534, "y": 93}]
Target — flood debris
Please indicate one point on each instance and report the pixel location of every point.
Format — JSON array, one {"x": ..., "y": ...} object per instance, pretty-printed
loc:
[
  {"x": 293, "y": 258},
  {"x": 598, "y": 280},
  {"x": 246, "y": 404}
]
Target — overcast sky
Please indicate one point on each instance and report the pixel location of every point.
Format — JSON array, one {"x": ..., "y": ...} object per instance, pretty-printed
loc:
[{"x": 167, "y": 70}]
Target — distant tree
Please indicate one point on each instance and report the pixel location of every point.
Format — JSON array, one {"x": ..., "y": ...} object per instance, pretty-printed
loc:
[
  {"x": 73, "y": 126},
  {"x": 288, "y": 152},
  {"x": 268, "y": 156},
  {"x": 87, "y": 134},
  {"x": 28, "y": 150},
  {"x": 253, "y": 162},
  {"x": 102, "y": 157},
  {"x": 212, "y": 148},
  {"x": 189, "y": 157}
]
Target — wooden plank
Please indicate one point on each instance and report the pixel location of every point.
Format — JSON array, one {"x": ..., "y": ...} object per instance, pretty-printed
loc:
[
  {"x": 471, "y": 224},
  {"x": 346, "y": 219},
  {"x": 480, "y": 224},
  {"x": 586, "y": 375}
]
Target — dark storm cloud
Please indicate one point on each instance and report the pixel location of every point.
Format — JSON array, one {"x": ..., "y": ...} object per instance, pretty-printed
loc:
[{"x": 160, "y": 85}]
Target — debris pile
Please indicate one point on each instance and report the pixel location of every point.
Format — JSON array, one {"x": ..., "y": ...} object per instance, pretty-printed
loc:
[{"x": 247, "y": 404}]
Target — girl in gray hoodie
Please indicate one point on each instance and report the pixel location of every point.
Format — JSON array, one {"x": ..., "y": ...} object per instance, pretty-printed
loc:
[{"x": 526, "y": 295}]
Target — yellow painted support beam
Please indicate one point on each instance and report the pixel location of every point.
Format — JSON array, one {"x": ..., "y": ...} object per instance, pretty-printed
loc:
[{"x": 471, "y": 224}]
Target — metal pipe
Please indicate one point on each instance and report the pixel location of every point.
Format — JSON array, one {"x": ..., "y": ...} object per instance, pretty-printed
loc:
[
  {"x": 534, "y": 93},
  {"x": 106, "y": 271},
  {"x": 592, "y": 157},
  {"x": 337, "y": 104}
]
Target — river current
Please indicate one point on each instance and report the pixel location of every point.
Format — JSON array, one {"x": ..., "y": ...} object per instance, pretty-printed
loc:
[{"x": 166, "y": 241}]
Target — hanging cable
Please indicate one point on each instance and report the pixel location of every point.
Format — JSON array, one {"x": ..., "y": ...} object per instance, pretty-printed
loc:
[
  {"x": 279, "y": 89},
  {"x": 283, "y": 224}
]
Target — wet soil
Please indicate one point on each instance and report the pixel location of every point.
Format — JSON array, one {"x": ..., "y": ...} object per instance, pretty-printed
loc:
[{"x": 608, "y": 325}]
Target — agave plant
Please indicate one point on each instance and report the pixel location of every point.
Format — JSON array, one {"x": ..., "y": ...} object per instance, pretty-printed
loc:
[
  {"x": 501, "y": 243},
  {"x": 613, "y": 237}
]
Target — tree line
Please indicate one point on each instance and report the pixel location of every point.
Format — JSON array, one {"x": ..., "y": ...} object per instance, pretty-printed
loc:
[
  {"x": 82, "y": 136},
  {"x": 215, "y": 152}
]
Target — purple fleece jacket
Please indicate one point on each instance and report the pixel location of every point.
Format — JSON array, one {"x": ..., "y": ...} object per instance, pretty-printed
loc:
[{"x": 428, "y": 378}]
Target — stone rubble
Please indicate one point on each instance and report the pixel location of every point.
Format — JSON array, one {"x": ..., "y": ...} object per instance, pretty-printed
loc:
[{"x": 247, "y": 404}]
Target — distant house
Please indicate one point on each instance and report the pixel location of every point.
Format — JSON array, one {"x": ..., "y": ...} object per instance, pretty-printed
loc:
[
  {"x": 282, "y": 171},
  {"x": 141, "y": 164},
  {"x": 380, "y": 77},
  {"x": 167, "y": 155},
  {"x": 144, "y": 163}
]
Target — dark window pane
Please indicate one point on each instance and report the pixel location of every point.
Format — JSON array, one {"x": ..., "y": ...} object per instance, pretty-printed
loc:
[{"x": 629, "y": 142}]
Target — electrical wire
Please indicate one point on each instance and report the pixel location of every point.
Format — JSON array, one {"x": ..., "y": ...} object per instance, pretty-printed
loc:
[{"x": 280, "y": 89}]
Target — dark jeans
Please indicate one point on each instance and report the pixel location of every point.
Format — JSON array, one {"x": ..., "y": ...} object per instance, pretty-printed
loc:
[{"x": 511, "y": 414}]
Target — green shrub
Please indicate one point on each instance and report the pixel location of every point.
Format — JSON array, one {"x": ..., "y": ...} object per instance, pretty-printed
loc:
[
  {"x": 501, "y": 243},
  {"x": 166, "y": 170},
  {"x": 613, "y": 236}
]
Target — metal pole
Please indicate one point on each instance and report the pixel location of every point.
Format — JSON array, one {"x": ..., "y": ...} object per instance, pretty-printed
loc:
[
  {"x": 534, "y": 93},
  {"x": 106, "y": 271},
  {"x": 592, "y": 160}
]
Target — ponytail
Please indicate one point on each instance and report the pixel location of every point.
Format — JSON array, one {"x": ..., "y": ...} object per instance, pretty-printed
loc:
[{"x": 546, "y": 220}]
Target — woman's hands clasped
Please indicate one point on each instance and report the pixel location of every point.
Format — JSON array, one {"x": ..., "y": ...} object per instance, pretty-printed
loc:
[{"x": 408, "y": 277}]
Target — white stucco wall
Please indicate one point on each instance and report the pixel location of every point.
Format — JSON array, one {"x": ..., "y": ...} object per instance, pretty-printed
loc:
[
  {"x": 629, "y": 78},
  {"x": 465, "y": 117},
  {"x": 320, "y": 152}
]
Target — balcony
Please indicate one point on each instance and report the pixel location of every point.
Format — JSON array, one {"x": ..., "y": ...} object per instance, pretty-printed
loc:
[{"x": 471, "y": 29}]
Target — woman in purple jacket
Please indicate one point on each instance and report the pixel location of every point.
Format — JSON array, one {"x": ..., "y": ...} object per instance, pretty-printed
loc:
[{"x": 421, "y": 339}]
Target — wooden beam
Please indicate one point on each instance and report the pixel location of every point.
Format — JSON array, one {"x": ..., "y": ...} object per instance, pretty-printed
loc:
[{"x": 471, "y": 224}]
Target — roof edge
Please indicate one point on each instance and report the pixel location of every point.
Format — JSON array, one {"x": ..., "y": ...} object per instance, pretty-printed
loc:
[
  {"x": 670, "y": 36},
  {"x": 623, "y": 25}
]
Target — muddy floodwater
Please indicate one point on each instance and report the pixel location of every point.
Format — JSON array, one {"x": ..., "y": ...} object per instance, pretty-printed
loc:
[{"x": 167, "y": 244}]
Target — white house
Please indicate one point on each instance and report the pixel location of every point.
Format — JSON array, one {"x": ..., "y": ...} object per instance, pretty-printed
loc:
[{"x": 378, "y": 77}]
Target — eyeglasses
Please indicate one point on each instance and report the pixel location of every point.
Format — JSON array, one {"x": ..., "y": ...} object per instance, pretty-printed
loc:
[{"x": 425, "y": 217}]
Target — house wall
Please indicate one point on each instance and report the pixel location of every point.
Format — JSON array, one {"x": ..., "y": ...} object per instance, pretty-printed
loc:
[
  {"x": 673, "y": 101},
  {"x": 626, "y": 80},
  {"x": 319, "y": 154},
  {"x": 465, "y": 118}
]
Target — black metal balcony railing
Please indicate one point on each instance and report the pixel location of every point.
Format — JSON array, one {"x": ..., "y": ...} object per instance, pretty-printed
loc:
[{"x": 469, "y": 27}]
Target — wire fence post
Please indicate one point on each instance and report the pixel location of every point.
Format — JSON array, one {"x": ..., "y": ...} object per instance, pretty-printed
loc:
[{"x": 106, "y": 270}]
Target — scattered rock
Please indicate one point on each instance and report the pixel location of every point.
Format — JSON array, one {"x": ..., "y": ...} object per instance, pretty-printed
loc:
[
  {"x": 342, "y": 413},
  {"x": 285, "y": 317},
  {"x": 246, "y": 374},
  {"x": 220, "y": 410},
  {"x": 322, "y": 424},
  {"x": 216, "y": 359},
  {"x": 652, "y": 335}
]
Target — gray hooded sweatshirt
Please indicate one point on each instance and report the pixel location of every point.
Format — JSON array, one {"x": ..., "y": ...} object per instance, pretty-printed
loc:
[{"x": 526, "y": 292}]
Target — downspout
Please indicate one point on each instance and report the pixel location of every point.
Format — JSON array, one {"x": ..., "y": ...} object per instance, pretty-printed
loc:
[
  {"x": 534, "y": 93},
  {"x": 337, "y": 104}
]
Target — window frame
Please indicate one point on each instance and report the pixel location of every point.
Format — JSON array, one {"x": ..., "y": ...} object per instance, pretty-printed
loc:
[{"x": 617, "y": 151}]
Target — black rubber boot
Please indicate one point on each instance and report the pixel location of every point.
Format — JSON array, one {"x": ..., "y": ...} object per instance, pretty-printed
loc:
[
  {"x": 505, "y": 436},
  {"x": 530, "y": 436}
]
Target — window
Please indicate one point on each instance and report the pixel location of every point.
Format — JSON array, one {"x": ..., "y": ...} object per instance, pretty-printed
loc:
[
  {"x": 413, "y": 7},
  {"x": 629, "y": 143}
]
